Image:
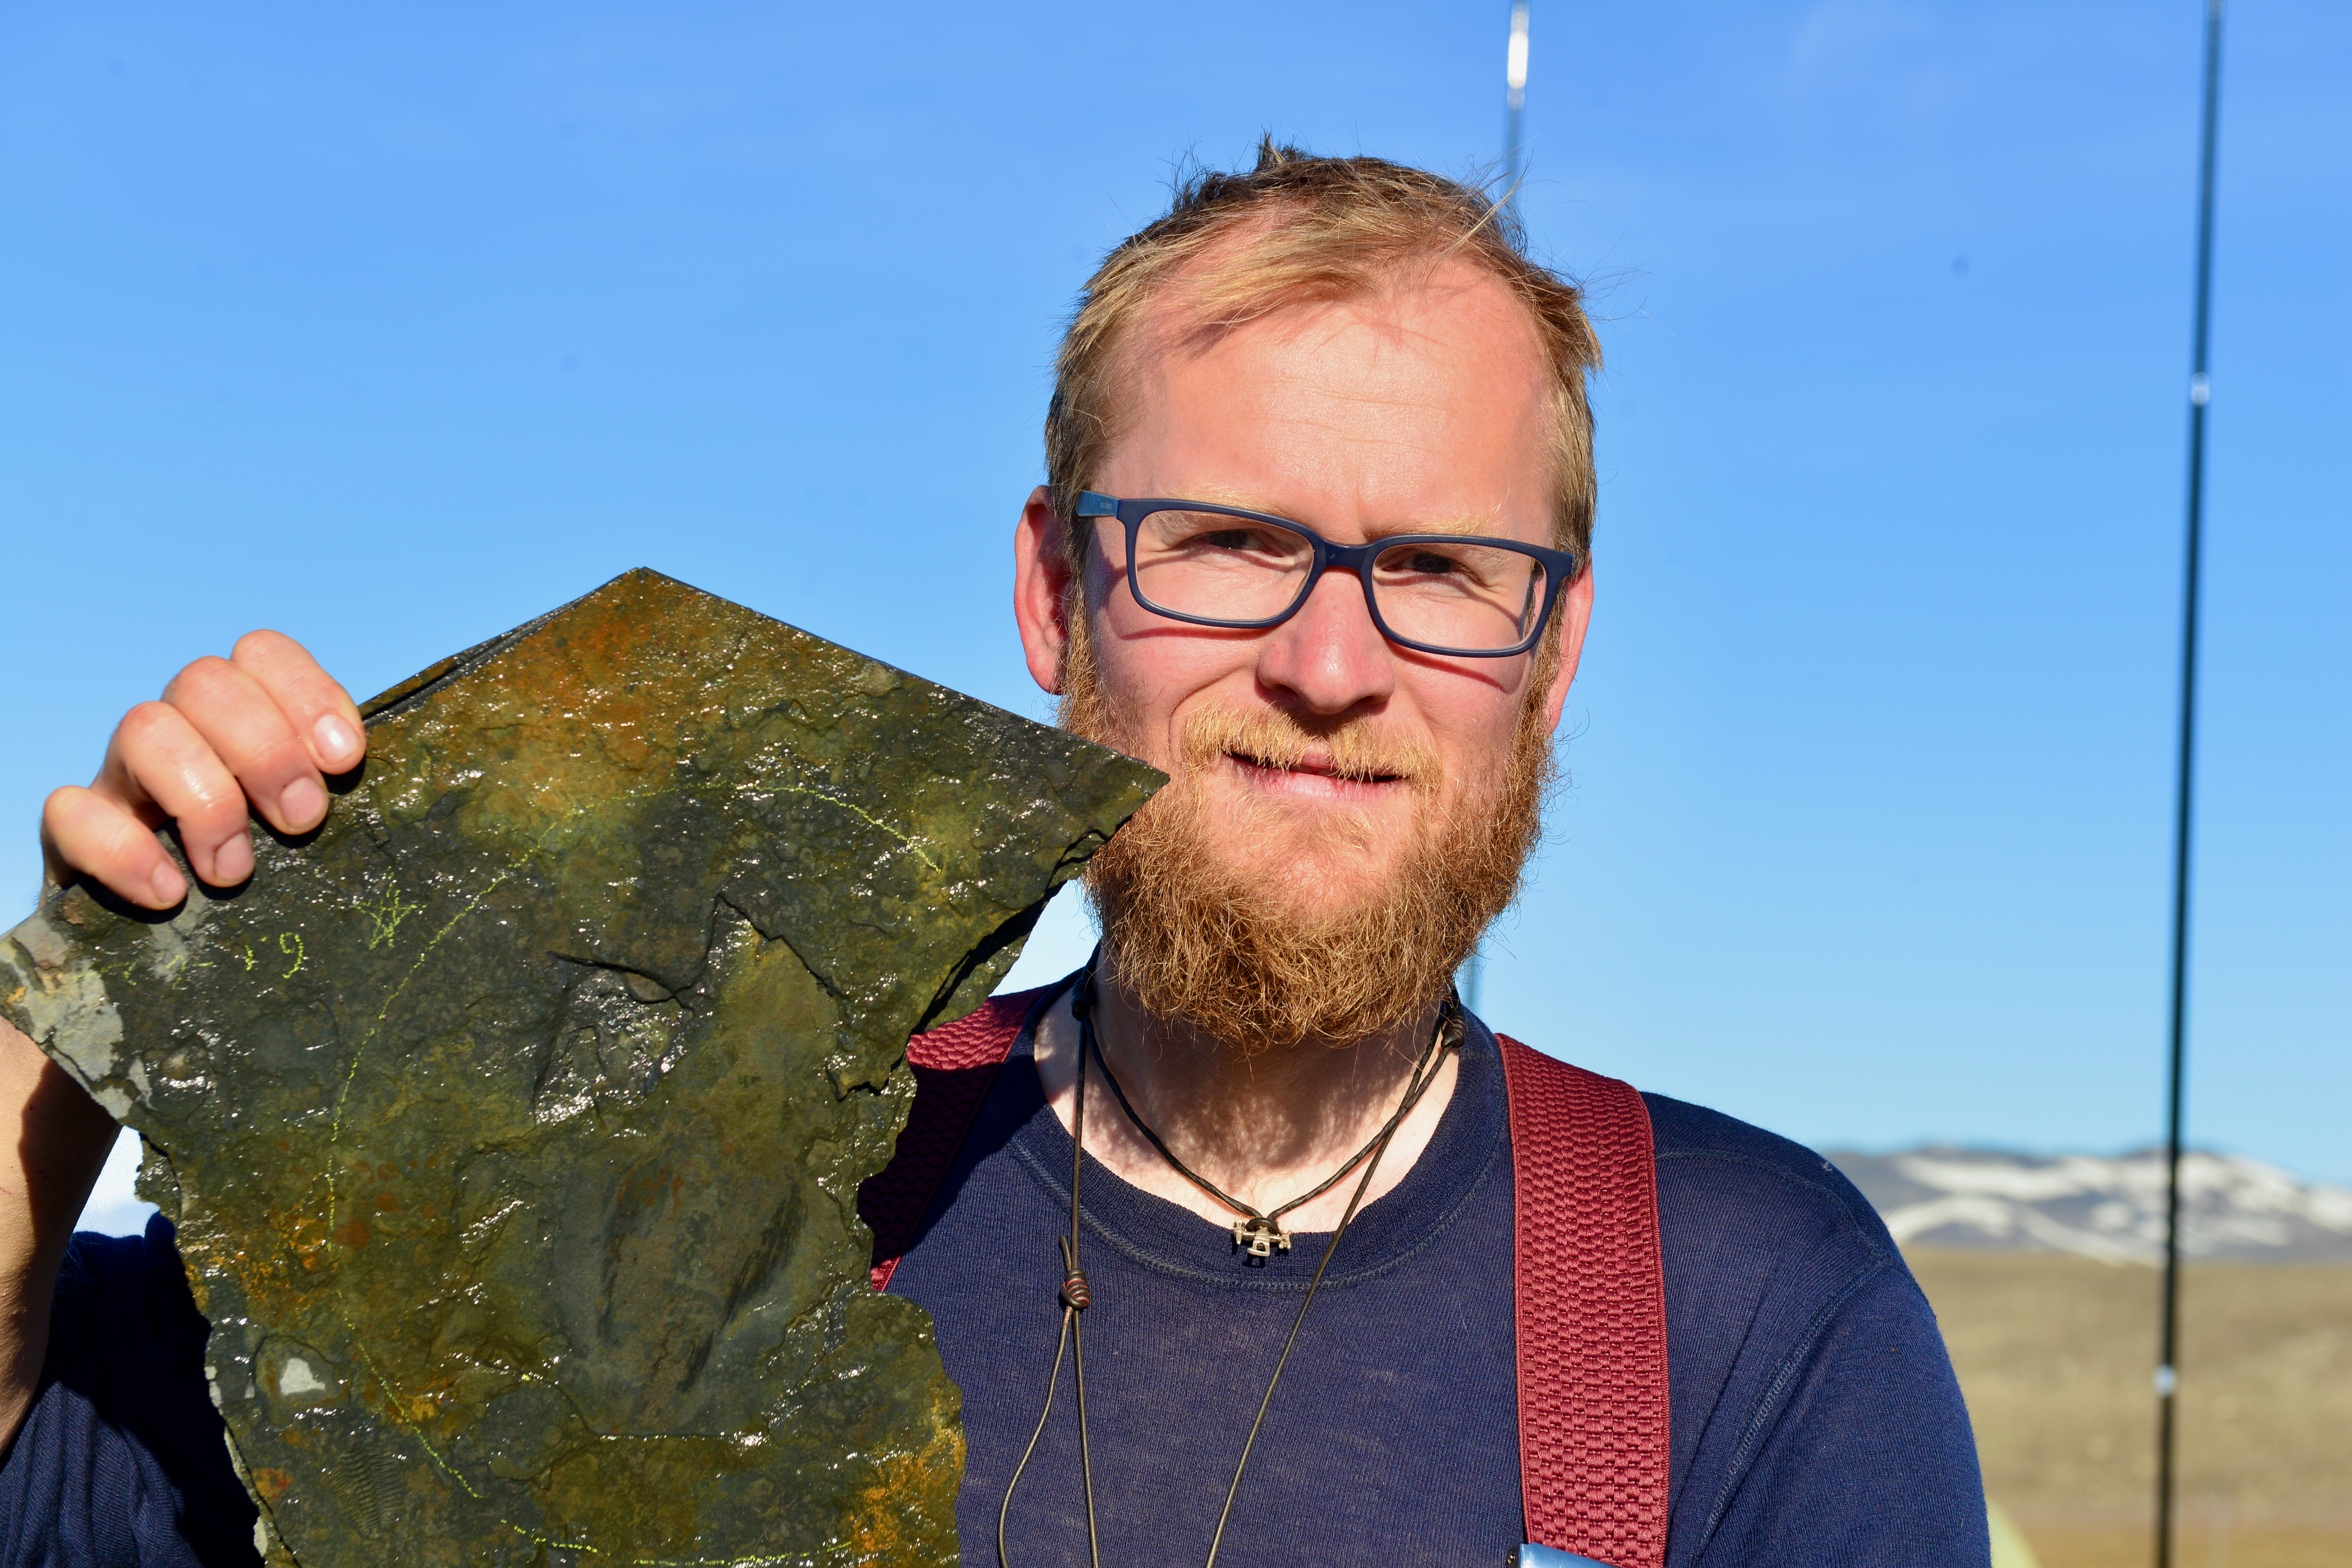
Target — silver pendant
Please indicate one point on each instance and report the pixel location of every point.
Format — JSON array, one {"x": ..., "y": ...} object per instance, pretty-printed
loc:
[{"x": 1259, "y": 1237}]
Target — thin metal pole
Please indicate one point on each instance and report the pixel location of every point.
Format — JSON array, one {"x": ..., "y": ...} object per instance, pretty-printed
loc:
[
  {"x": 2199, "y": 395},
  {"x": 1471, "y": 979},
  {"x": 1515, "y": 100}
]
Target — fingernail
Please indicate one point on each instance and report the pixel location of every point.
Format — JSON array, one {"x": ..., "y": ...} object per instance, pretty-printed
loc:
[
  {"x": 169, "y": 886},
  {"x": 302, "y": 803},
  {"x": 334, "y": 738},
  {"x": 233, "y": 861}
]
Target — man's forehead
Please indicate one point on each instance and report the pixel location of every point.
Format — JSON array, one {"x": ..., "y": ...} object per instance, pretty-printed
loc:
[
  {"x": 1428, "y": 409},
  {"x": 1218, "y": 295}
]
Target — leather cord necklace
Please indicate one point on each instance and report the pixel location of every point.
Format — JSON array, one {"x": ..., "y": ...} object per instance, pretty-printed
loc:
[
  {"x": 1075, "y": 1297},
  {"x": 1260, "y": 1231}
]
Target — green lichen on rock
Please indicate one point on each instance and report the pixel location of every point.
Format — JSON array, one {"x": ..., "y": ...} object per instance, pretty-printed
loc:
[{"x": 513, "y": 1122}]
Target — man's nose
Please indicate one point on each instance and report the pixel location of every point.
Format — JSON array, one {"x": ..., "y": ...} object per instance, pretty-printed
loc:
[{"x": 1330, "y": 655}]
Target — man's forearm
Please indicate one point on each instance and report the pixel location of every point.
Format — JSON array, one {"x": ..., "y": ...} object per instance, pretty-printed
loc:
[{"x": 52, "y": 1140}]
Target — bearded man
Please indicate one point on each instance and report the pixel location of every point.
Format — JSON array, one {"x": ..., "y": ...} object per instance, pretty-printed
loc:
[{"x": 1315, "y": 541}]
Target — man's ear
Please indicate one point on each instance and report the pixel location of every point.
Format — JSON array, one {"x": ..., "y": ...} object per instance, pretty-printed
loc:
[
  {"x": 1575, "y": 615},
  {"x": 1041, "y": 590}
]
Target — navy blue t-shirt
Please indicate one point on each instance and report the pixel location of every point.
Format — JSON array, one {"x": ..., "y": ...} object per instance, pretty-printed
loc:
[
  {"x": 1815, "y": 1419},
  {"x": 123, "y": 1460}
]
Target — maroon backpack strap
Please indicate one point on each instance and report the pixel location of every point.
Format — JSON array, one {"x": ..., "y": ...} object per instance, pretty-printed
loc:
[
  {"x": 1591, "y": 1300},
  {"x": 955, "y": 1065}
]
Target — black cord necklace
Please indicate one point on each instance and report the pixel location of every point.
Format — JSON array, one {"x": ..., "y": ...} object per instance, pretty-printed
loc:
[
  {"x": 1260, "y": 1231},
  {"x": 1075, "y": 1297}
]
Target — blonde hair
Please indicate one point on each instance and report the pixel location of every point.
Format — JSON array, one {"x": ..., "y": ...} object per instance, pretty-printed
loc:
[{"x": 1300, "y": 229}]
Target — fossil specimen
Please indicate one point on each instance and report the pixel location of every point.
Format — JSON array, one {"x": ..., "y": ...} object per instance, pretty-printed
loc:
[{"x": 513, "y": 1122}]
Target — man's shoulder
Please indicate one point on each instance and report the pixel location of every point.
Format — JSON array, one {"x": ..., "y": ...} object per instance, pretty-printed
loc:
[
  {"x": 1733, "y": 1193},
  {"x": 1728, "y": 1187},
  {"x": 1808, "y": 1380}
]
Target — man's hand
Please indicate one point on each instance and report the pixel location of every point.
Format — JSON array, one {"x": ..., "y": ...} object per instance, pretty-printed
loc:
[
  {"x": 257, "y": 728},
  {"x": 262, "y": 727}
]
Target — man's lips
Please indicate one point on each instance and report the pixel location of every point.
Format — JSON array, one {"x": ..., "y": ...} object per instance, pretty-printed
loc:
[{"x": 1312, "y": 778}]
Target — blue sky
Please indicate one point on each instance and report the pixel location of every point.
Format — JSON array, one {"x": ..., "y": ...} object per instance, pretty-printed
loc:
[{"x": 392, "y": 330}]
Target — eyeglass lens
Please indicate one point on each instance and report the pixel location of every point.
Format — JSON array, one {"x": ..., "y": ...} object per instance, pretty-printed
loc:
[{"x": 1457, "y": 594}]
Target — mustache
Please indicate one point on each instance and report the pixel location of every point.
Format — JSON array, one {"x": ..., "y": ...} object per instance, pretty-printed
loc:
[{"x": 1358, "y": 750}]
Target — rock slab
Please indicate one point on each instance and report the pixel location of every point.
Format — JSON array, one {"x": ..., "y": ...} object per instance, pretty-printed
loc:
[{"x": 513, "y": 1121}]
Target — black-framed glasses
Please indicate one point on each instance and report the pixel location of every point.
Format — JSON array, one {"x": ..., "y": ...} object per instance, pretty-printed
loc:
[{"x": 1463, "y": 594}]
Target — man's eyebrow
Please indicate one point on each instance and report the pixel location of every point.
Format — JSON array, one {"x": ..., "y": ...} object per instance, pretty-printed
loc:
[
  {"x": 1214, "y": 495},
  {"x": 1487, "y": 526}
]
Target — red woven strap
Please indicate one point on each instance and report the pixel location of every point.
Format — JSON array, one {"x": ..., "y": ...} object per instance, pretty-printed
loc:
[
  {"x": 954, "y": 1065},
  {"x": 1592, "y": 1313}
]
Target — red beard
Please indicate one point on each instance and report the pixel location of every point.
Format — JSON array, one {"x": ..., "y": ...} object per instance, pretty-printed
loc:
[{"x": 1236, "y": 945}]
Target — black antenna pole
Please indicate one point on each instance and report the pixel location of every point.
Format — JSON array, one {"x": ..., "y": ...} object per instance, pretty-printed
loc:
[{"x": 2199, "y": 395}]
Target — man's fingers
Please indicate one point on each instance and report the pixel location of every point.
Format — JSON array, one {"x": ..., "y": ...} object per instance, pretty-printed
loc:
[
  {"x": 88, "y": 833},
  {"x": 242, "y": 723},
  {"x": 158, "y": 762},
  {"x": 232, "y": 738},
  {"x": 315, "y": 705}
]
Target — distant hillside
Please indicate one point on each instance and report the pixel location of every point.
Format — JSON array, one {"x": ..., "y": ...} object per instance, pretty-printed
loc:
[{"x": 2110, "y": 1209}]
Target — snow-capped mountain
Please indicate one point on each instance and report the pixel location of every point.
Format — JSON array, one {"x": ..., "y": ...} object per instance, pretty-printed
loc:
[{"x": 2111, "y": 1209}]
